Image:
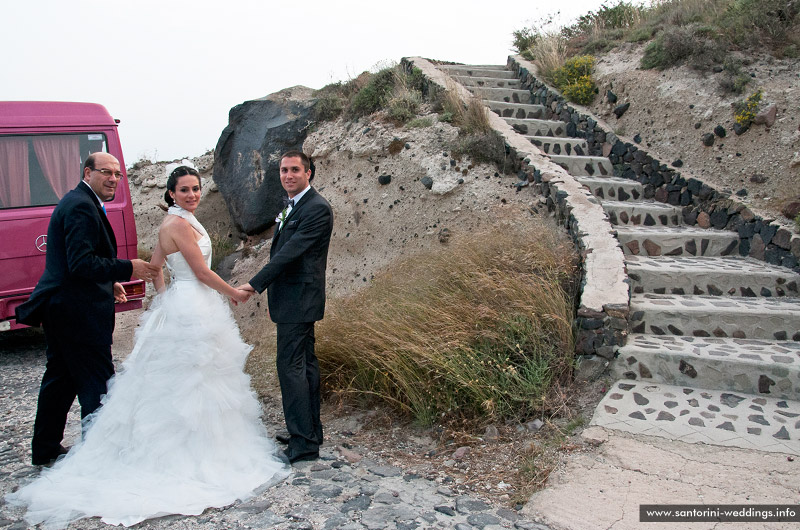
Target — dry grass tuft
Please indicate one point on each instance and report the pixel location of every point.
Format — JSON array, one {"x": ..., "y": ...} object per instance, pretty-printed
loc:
[
  {"x": 479, "y": 330},
  {"x": 550, "y": 53}
]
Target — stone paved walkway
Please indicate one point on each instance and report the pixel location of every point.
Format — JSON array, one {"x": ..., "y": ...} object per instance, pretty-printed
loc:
[{"x": 335, "y": 492}]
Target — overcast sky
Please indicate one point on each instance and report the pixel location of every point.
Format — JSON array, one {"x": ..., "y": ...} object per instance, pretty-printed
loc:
[{"x": 170, "y": 70}]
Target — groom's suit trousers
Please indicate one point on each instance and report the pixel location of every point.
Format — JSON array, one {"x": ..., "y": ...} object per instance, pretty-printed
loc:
[{"x": 298, "y": 373}]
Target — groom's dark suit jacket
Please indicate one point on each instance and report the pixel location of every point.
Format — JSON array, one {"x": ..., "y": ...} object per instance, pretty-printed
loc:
[
  {"x": 76, "y": 289},
  {"x": 295, "y": 274}
]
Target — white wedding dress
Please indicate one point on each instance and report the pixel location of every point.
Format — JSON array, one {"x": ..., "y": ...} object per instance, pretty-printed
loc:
[{"x": 180, "y": 428}]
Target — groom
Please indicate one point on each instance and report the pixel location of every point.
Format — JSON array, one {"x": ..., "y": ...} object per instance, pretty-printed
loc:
[{"x": 295, "y": 279}]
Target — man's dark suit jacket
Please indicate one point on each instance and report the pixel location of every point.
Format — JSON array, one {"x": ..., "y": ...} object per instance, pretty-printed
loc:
[
  {"x": 77, "y": 287},
  {"x": 295, "y": 274}
]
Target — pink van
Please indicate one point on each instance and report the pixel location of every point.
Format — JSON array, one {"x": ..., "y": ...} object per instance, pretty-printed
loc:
[{"x": 43, "y": 146}]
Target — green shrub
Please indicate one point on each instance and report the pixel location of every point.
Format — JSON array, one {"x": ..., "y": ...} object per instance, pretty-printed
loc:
[
  {"x": 335, "y": 98},
  {"x": 329, "y": 105},
  {"x": 524, "y": 39},
  {"x": 420, "y": 123},
  {"x": 404, "y": 105},
  {"x": 481, "y": 147},
  {"x": 575, "y": 81},
  {"x": 620, "y": 16},
  {"x": 733, "y": 79},
  {"x": 792, "y": 51},
  {"x": 375, "y": 94},
  {"x": 446, "y": 116},
  {"x": 641, "y": 34},
  {"x": 753, "y": 21},
  {"x": 674, "y": 46}
]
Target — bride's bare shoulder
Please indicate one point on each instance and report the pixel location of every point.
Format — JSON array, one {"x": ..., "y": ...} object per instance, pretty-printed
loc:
[{"x": 173, "y": 222}]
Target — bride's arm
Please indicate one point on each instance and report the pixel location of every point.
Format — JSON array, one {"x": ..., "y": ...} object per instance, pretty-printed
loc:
[
  {"x": 158, "y": 260},
  {"x": 182, "y": 234}
]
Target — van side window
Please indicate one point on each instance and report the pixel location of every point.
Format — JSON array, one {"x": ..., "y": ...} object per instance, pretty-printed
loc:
[{"x": 37, "y": 170}]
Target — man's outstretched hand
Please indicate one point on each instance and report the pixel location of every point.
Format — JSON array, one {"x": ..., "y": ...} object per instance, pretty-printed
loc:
[{"x": 144, "y": 270}]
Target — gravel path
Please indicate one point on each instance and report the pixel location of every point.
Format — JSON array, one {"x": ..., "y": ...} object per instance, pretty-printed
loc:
[{"x": 339, "y": 491}]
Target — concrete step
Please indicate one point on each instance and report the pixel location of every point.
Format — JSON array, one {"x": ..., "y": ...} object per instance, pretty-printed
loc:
[
  {"x": 486, "y": 82},
  {"x": 764, "y": 367},
  {"x": 677, "y": 241},
  {"x": 613, "y": 187},
  {"x": 517, "y": 110},
  {"x": 556, "y": 146},
  {"x": 695, "y": 415},
  {"x": 497, "y": 71},
  {"x": 642, "y": 213},
  {"x": 731, "y": 276},
  {"x": 538, "y": 127},
  {"x": 715, "y": 316},
  {"x": 584, "y": 166},
  {"x": 507, "y": 95}
]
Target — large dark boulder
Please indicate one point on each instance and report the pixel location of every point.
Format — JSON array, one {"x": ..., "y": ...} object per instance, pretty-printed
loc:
[{"x": 247, "y": 156}]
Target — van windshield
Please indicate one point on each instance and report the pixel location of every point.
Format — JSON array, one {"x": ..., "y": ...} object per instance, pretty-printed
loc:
[{"x": 37, "y": 170}]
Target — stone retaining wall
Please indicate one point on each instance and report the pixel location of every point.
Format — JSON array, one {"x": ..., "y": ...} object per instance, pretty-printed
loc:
[
  {"x": 702, "y": 205},
  {"x": 603, "y": 306}
]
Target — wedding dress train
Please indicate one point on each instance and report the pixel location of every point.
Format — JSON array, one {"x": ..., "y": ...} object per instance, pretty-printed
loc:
[{"x": 180, "y": 429}]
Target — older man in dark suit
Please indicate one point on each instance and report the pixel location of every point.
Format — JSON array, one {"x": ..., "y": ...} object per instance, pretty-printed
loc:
[
  {"x": 295, "y": 279},
  {"x": 74, "y": 302}
]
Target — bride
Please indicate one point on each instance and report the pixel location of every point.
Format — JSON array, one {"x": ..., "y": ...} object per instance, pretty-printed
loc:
[{"x": 180, "y": 429}]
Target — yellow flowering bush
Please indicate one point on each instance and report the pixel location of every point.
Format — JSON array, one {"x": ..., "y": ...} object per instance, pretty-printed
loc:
[
  {"x": 575, "y": 81},
  {"x": 746, "y": 110}
]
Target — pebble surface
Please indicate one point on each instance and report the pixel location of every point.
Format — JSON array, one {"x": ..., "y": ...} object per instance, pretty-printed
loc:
[{"x": 338, "y": 491}]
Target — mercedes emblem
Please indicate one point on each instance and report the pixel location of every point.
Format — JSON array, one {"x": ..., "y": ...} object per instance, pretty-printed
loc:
[{"x": 41, "y": 243}]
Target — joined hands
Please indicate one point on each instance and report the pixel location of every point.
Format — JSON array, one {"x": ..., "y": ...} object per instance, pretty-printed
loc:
[{"x": 242, "y": 294}]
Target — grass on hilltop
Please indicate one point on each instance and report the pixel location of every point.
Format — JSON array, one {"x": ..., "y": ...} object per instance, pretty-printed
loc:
[
  {"x": 480, "y": 330},
  {"x": 700, "y": 33},
  {"x": 389, "y": 88}
]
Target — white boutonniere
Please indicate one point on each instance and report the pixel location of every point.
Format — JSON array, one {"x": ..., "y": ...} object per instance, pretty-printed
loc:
[{"x": 281, "y": 217}]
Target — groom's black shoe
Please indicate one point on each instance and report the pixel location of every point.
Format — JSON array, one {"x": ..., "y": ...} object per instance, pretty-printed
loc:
[
  {"x": 300, "y": 457},
  {"x": 283, "y": 437},
  {"x": 49, "y": 461}
]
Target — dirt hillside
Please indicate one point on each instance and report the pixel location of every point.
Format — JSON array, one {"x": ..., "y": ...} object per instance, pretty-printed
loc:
[{"x": 671, "y": 110}]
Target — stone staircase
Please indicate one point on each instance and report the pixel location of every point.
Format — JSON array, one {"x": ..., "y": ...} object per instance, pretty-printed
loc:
[{"x": 713, "y": 347}]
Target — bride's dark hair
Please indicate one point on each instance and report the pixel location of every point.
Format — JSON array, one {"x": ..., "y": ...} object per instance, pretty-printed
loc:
[{"x": 172, "y": 181}]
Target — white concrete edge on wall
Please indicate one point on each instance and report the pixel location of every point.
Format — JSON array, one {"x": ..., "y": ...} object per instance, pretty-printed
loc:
[{"x": 605, "y": 280}]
